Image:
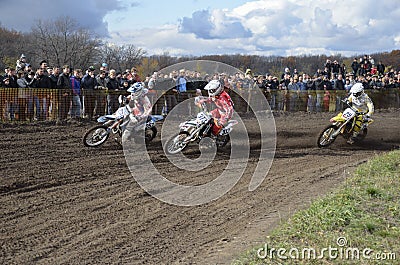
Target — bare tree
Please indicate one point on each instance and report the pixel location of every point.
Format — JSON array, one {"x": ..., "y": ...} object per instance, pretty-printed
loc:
[
  {"x": 121, "y": 57},
  {"x": 11, "y": 45},
  {"x": 63, "y": 41}
]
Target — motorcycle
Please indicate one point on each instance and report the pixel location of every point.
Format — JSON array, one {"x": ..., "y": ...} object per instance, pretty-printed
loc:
[
  {"x": 343, "y": 124},
  {"x": 116, "y": 124},
  {"x": 195, "y": 129}
]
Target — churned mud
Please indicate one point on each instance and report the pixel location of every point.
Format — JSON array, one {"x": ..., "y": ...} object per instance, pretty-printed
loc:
[{"x": 63, "y": 203}]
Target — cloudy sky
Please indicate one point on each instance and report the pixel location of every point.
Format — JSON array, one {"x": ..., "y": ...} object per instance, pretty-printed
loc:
[{"x": 203, "y": 27}]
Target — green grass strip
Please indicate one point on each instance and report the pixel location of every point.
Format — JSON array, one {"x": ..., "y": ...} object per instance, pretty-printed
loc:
[{"x": 359, "y": 223}]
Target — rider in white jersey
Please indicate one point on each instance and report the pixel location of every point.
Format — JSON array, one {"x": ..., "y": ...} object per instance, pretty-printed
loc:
[{"x": 363, "y": 103}]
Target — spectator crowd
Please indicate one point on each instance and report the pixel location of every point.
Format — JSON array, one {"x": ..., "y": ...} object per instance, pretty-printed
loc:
[{"x": 62, "y": 93}]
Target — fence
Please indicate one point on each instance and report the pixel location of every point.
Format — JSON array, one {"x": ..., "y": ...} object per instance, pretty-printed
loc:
[{"x": 21, "y": 104}]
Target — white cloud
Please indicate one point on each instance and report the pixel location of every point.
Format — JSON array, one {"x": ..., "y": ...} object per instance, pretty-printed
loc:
[{"x": 291, "y": 27}]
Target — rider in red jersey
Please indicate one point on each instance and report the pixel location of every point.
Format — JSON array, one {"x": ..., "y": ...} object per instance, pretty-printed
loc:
[{"x": 223, "y": 102}]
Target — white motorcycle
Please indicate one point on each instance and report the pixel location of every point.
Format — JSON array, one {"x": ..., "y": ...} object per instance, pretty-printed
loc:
[
  {"x": 195, "y": 129},
  {"x": 116, "y": 124}
]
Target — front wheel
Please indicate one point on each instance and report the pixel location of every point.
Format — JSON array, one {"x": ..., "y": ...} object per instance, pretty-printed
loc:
[
  {"x": 222, "y": 140},
  {"x": 96, "y": 136},
  {"x": 325, "y": 138},
  {"x": 150, "y": 134},
  {"x": 175, "y": 144}
]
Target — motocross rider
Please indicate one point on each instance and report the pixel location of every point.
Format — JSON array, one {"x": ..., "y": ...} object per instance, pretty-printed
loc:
[
  {"x": 138, "y": 105},
  {"x": 363, "y": 103},
  {"x": 224, "y": 105}
]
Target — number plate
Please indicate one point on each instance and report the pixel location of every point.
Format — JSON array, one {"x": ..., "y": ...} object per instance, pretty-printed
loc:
[
  {"x": 348, "y": 114},
  {"x": 202, "y": 118}
]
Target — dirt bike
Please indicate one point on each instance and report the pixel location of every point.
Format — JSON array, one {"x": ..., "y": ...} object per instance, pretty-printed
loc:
[
  {"x": 193, "y": 130},
  {"x": 343, "y": 124},
  {"x": 116, "y": 124}
]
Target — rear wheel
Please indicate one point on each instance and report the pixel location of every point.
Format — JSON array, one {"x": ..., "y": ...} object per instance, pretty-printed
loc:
[
  {"x": 149, "y": 135},
  {"x": 175, "y": 144},
  {"x": 325, "y": 138},
  {"x": 96, "y": 136},
  {"x": 361, "y": 135}
]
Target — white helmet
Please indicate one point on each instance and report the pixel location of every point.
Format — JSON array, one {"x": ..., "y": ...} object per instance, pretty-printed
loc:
[
  {"x": 357, "y": 90},
  {"x": 137, "y": 90},
  {"x": 214, "y": 88}
]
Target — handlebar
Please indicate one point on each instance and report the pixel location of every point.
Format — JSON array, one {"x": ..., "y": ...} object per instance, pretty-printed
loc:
[
  {"x": 353, "y": 108},
  {"x": 199, "y": 100}
]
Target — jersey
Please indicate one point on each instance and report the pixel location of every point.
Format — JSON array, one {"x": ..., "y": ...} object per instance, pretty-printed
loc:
[{"x": 363, "y": 103}]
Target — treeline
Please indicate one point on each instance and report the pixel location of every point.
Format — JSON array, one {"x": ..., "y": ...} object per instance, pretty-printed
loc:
[{"x": 64, "y": 41}]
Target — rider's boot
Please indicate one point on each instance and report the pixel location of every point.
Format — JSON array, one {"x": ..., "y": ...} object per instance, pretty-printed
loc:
[{"x": 352, "y": 138}]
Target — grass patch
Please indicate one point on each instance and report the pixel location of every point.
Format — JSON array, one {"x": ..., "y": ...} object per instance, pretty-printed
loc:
[{"x": 359, "y": 223}]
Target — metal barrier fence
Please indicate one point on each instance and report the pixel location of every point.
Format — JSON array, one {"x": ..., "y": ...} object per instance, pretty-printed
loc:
[{"x": 26, "y": 104}]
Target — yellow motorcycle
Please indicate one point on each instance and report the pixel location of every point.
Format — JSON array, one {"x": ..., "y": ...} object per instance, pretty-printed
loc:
[{"x": 344, "y": 124}]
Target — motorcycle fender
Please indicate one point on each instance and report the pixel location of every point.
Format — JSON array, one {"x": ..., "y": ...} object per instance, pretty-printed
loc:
[
  {"x": 228, "y": 128},
  {"x": 338, "y": 118}
]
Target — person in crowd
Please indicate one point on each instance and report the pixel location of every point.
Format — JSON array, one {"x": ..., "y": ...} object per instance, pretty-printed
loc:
[
  {"x": 88, "y": 85},
  {"x": 9, "y": 101},
  {"x": 54, "y": 92},
  {"x": 293, "y": 96},
  {"x": 347, "y": 85},
  {"x": 124, "y": 78},
  {"x": 343, "y": 69},
  {"x": 12, "y": 78},
  {"x": 28, "y": 68},
  {"x": 21, "y": 63},
  {"x": 65, "y": 88},
  {"x": 104, "y": 67},
  {"x": 285, "y": 73},
  {"x": 381, "y": 68},
  {"x": 152, "y": 81},
  {"x": 101, "y": 86},
  {"x": 152, "y": 85},
  {"x": 112, "y": 87},
  {"x": 371, "y": 60},
  {"x": 375, "y": 83},
  {"x": 181, "y": 85},
  {"x": 125, "y": 85},
  {"x": 135, "y": 75},
  {"x": 273, "y": 86},
  {"x": 338, "y": 83},
  {"x": 355, "y": 66},
  {"x": 76, "y": 94},
  {"x": 335, "y": 67},
  {"x": 44, "y": 65},
  {"x": 303, "y": 94},
  {"x": 23, "y": 94},
  {"x": 327, "y": 82},
  {"x": 41, "y": 98},
  {"x": 285, "y": 81}
]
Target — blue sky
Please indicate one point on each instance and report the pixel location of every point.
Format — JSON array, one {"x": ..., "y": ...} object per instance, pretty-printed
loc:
[
  {"x": 203, "y": 27},
  {"x": 156, "y": 13}
]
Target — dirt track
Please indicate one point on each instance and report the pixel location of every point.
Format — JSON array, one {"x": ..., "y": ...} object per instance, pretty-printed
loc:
[{"x": 62, "y": 203}]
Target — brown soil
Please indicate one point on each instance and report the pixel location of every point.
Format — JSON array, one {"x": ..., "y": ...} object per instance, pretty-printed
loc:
[{"x": 63, "y": 203}]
